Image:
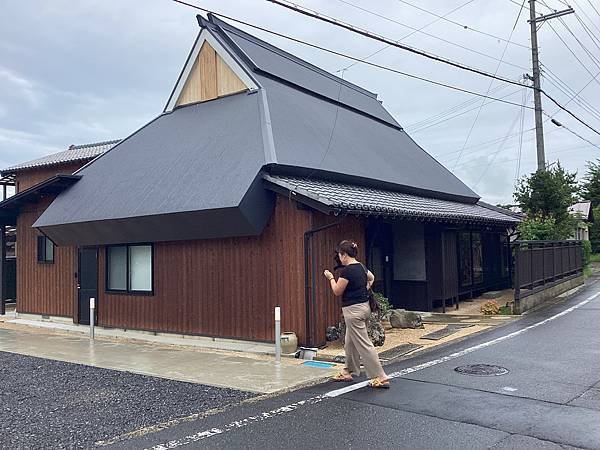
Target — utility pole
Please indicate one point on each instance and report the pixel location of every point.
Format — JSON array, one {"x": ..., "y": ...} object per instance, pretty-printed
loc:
[{"x": 537, "y": 96}]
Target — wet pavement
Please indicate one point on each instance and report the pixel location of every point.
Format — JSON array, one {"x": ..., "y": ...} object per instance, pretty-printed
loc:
[
  {"x": 547, "y": 398},
  {"x": 233, "y": 370}
]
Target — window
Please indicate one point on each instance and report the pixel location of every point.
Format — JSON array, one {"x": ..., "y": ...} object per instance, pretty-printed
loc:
[
  {"x": 129, "y": 268},
  {"x": 45, "y": 250}
]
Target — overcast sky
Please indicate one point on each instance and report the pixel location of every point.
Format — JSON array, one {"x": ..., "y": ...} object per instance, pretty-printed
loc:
[{"x": 86, "y": 71}]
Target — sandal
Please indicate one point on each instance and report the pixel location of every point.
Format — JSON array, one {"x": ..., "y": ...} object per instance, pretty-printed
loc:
[
  {"x": 379, "y": 384},
  {"x": 342, "y": 377}
]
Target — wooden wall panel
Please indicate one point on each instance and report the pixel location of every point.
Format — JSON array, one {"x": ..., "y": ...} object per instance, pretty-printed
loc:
[
  {"x": 221, "y": 287},
  {"x": 328, "y": 307},
  {"x": 227, "y": 81},
  {"x": 28, "y": 178},
  {"x": 43, "y": 288},
  {"x": 209, "y": 78}
]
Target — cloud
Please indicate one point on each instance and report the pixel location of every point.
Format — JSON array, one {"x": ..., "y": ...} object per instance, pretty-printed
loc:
[
  {"x": 17, "y": 86},
  {"x": 95, "y": 70}
]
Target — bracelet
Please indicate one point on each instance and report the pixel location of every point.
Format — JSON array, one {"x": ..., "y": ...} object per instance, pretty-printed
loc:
[{"x": 332, "y": 278}]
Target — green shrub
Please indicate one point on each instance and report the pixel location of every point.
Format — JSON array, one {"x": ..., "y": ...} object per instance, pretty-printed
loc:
[
  {"x": 490, "y": 308},
  {"x": 385, "y": 307}
]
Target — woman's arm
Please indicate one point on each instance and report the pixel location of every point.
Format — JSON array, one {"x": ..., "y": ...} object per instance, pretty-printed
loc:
[
  {"x": 338, "y": 287},
  {"x": 370, "y": 279}
]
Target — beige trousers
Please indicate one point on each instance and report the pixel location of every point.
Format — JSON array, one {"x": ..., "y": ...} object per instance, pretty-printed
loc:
[{"x": 357, "y": 343}]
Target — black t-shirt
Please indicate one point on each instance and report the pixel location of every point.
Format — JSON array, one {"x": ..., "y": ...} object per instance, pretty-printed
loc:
[{"x": 356, "y": 291}]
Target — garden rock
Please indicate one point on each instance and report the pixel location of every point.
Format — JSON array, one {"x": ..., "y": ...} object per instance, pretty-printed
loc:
[
  {"x": 375, "y": 330},
  {"x": 400, "y": 318},
  {"x": 332, "y": 333}
]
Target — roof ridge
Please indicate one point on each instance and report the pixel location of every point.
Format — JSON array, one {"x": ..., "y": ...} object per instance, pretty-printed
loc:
[
  {"x": 272, "y": 48},
  {"x": 93, "y": 144}
]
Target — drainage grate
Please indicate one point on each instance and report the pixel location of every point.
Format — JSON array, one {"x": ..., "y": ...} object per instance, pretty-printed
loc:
[{"x": 482, "y": 370}]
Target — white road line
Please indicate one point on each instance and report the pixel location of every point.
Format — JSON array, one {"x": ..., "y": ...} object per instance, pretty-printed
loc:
[
  {"x": 201, "y": 435},
  {"x": 466, "y": 351}
]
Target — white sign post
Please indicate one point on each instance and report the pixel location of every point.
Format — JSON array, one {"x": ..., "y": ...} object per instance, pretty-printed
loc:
[
  {"x": 277, "y": 335},
  {"x": 92, "y": 317}
]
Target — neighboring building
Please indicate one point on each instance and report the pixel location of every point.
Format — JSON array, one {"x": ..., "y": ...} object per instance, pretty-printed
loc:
[
  {"x": 232, "y": 202},
  {"x": 584, "y": 212},
  {"x": 34, "y": 190}
]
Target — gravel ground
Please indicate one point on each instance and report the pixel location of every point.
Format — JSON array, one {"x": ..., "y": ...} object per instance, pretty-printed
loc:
[{"x": 52, "y": 404}]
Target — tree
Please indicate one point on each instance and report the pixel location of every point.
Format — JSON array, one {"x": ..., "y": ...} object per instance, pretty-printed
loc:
[
  {"x": 590, "y": 190},
  {"x": 545, "y": 196}
]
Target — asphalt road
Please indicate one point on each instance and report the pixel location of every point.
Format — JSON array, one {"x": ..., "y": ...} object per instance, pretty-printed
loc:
[
  {"x": 53, "y": 404},
  {"x": 549, "y": 399}
]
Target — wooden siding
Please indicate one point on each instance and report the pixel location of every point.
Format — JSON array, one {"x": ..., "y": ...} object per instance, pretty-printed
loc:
[
  {"x": 221, "y": 287},
  {"x": 30, "y": 177},
  {"x": 209, "y": 78},
  {"x": 328, "y": 308},
  {"x": 43, "y": 288}
]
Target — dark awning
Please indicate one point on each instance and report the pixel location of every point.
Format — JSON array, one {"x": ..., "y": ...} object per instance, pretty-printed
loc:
[
  {"x": 9, "y": 208},
  {"x": 335, "y": 198}
]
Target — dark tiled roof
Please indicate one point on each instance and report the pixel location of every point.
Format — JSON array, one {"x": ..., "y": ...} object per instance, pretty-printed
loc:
[
  {"x": 73, "y": 153},
  {"x": 369, "y": 201}
]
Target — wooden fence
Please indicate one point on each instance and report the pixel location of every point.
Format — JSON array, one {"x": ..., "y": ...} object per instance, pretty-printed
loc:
[{"x": 539, "y": 265}]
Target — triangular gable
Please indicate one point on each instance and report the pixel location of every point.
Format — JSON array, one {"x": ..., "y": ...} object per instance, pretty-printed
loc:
[{"x": 209, "y": 72}]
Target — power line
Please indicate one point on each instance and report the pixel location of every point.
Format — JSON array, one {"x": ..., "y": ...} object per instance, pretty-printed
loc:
[
  {"x": 490, "y": 85},
  {"x": 366, "y": 33},
  {"x": 571, "y": 51},
  {"x": 416, "y": 30},
  {"x": 453, "y": 111},
  {"x": 343, "y": 55},
  {"x": 463, "y": 26},
  {"x": 333, "y": 21},
  {"x": 517, "y": 119},
  {"x": 585, "y": 49},
  {"x": 573, "y": 96},
  {"x": 411, "y": 33}
]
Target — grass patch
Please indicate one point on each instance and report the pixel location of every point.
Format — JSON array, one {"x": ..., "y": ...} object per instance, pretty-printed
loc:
[
  {"x": 595, "y": 257},
  {"x": 505, "y": 311},
  {"x": 587, "y": 272}
]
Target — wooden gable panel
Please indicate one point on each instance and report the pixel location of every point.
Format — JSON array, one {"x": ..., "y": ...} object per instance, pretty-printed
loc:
[
  {"x": 227, "y": 81},
  {"x": 209, "y": 78}
]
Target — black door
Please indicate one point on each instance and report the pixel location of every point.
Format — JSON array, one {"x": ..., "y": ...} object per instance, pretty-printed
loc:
[{"x": 87, "y": 282}]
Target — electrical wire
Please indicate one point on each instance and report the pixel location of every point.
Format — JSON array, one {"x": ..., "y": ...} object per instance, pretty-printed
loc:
[
  {"x": 310, "y": 13},
  {"x": 501, "y": 146},
  {"x": 573, "y": 97},
  {"x": 416, "y": 30},
  {"x": 446, "y": 119},
  {"x": 343, "y": 55},
  {"x": 463, "y": 26},
  {"x": 547, "y": 72},
  {"x": 490, "y": 85},
  {"x": 411, "y": 33}
]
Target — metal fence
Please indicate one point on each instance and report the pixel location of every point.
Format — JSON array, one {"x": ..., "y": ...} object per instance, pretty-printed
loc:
[{"x": 539, "y": 265}]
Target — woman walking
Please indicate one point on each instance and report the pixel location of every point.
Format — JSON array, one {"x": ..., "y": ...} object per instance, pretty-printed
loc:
[{"x": 352, "y": 286}]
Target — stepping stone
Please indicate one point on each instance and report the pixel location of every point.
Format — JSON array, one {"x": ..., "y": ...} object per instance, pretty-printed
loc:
[
  {"x": 444, "y": 332},
  {"x": 396, "y": 352}
]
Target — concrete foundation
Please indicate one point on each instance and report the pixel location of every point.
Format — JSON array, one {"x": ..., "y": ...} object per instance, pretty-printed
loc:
[
  {"x": 533, "y": 300},
  {"x": 216, "y": 343}
]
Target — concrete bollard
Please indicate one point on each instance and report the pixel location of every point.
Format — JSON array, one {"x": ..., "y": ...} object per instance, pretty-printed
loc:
[
  {"x": 277, "y": 335},
  {"x": 92, "y": 317}
]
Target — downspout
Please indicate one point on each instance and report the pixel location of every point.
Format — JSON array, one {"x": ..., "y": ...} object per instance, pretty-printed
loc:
[{"x": 310, "y": 297}]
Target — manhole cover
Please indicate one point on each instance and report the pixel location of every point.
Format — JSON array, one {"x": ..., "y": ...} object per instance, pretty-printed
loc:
[{"x": 482, "y": 370}]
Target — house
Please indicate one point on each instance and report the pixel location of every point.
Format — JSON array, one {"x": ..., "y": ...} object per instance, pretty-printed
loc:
[
  {"x": 34, "y": 183},
  {"x": 584, "y": 214},
  {"x": 232, "y": 201}
]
